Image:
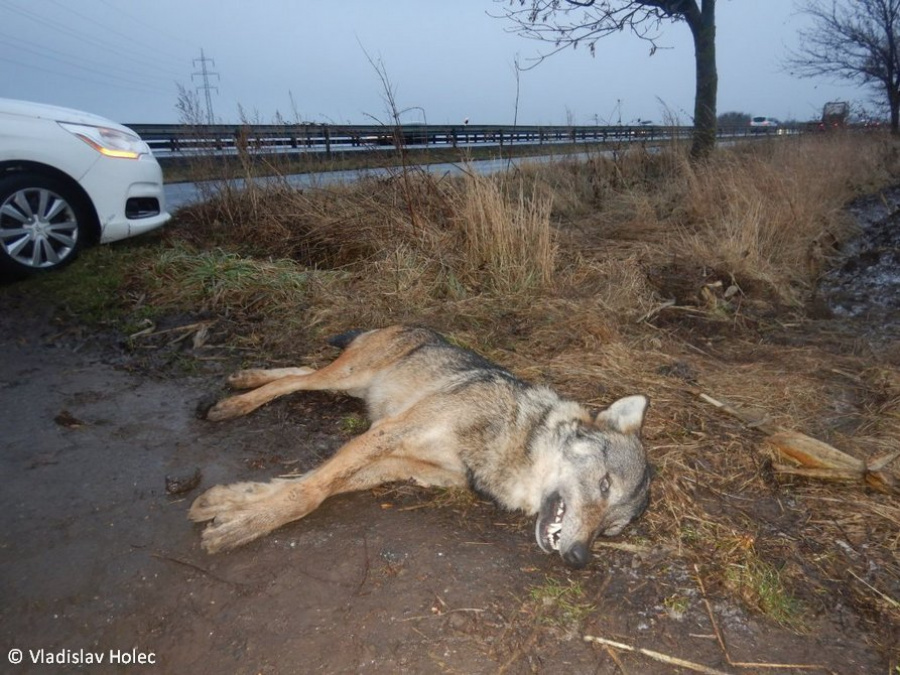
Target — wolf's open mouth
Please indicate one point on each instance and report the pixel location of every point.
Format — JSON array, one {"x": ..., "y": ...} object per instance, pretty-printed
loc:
[
  {"x": 549, "y": 524},
  {"x": 555, "y": 527}
]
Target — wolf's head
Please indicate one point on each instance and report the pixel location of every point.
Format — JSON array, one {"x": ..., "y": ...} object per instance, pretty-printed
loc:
[{"x": 600, "y": 482}]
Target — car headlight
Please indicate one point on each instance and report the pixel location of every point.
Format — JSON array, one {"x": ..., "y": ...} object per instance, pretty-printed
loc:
[{"x": 109, "y": 142}]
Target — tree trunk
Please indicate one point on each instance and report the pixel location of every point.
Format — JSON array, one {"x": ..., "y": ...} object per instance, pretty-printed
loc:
[
  {"x": 894, "y": 105},
  {"x": 702, "y": 23}
]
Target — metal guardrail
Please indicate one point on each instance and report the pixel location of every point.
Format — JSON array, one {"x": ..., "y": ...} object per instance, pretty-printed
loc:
[{"x": 186, "y": 140}]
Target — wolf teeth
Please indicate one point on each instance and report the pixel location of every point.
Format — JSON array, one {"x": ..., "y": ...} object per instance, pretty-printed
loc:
[{"x": 555, "y": 528}]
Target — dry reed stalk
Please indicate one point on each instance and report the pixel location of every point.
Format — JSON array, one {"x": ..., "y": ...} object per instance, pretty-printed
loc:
[
  {"x": 506, "y": 239},
  {"x": 656, "y": 656}
]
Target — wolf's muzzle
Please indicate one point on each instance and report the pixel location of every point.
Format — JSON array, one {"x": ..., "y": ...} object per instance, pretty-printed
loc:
[{"x": 577, "y": 556}]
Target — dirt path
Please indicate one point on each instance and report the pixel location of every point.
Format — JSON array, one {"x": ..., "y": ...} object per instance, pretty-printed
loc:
[{"x": 97, "y": 558}]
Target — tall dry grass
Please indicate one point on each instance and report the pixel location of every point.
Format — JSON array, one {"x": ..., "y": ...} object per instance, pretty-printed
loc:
[
  {"x": 505, "y": 234},
  {"x": 762, "y": 217},
  {"x": 466, "y": 235},
  {"x": 768, "y": 215},
  {"x": 775, "y": 212}
]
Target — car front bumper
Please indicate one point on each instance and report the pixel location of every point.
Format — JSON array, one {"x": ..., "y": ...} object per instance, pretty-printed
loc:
[{"x": 112, "y": 182}]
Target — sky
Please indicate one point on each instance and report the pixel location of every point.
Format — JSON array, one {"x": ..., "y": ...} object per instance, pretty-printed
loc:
[{"x": 447, "y": 61}]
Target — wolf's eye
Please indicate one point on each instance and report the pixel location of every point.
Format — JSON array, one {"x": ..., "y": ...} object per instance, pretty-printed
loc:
[{"x": 604, "y": 485}]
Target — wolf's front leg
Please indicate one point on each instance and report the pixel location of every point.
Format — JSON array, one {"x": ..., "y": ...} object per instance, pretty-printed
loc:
[
  {"x": 257, "y": 377},
  {"x": 243, "y": 512}
]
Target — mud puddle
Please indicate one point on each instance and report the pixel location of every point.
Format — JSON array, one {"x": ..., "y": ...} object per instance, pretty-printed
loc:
[{"x": 865, "y": 285}]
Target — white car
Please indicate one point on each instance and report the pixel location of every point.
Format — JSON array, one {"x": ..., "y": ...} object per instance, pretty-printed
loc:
[
  {"x": 70, "y": 179},
  {"x": 764, "y": 125}
]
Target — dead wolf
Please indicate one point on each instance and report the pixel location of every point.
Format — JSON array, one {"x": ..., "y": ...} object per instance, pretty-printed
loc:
[{"x": 445, "y": 416}]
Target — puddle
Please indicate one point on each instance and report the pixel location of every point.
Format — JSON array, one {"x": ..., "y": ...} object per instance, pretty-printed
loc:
[{"x": 865, "y": 285}]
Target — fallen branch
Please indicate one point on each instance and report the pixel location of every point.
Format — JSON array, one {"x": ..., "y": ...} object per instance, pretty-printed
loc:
[
  {"x": 658, "y": 656},
  {"x": 185, "y": 330},
  {"x": 888, "y": 599},
  {"x": 811, "y": 457},
  {"x": 656, "y": 310}
]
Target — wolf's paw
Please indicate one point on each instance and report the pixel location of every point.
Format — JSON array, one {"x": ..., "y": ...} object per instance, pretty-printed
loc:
[
  {"x": 247, "y": 379},
  {"x": 233, "y": 529},
  {"x": 221, "y": 499},
  {"x": 256, "y": 377},
  {"x": 239, "y": 513},
  {"x": 229, "y": 408}
]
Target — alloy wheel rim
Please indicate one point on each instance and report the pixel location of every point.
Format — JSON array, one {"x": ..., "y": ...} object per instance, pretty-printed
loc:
[{"x": 38, "y": 228}]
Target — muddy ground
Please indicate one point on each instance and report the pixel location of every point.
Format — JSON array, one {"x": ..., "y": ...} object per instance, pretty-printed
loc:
[{"x": 97, "y": 556}]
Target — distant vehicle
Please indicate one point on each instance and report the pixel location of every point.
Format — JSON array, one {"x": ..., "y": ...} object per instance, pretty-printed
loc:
[
  {"x": 764, "y": 125},
  {"x": 70, "y": 179},
  {"x": 644, "y": 128},
  {"x": 834, "y": 115}
]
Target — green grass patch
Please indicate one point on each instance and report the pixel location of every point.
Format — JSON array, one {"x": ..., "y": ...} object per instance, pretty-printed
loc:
[
  {"x": 92, "y": 288},
  {"x": 560, "y": 603},
  {"x": 762, "y": 588},
  {"x": 353, "y": 425},
  {"x": 216, "y": 279}
]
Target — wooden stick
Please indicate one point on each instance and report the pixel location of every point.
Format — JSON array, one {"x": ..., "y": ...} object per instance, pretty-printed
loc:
[
  {"x": 658, "y": 656},
  {"x": 888, "y": 599},
  {"x": 755, "y": 421}
]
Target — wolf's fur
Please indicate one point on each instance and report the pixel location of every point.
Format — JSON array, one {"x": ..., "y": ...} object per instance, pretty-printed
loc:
[{"x": 445, "y": 416}]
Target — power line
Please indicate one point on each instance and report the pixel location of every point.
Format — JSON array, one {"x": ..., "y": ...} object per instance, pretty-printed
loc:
[
  {"x": 206, "y": 87},
  {"x": 70, "y": 60},
  {"x": 132, "y": 40},
  {"x": 140, "y": 22},
  {"x": 77, "y": 77},
  {"x": 46, "y": 22}
]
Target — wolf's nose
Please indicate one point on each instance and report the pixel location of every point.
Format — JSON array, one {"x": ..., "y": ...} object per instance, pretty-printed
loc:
[{"x": 577, "y": 557}]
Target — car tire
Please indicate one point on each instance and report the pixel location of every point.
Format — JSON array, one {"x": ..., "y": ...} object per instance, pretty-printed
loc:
[{"x": 43, "y": 224}]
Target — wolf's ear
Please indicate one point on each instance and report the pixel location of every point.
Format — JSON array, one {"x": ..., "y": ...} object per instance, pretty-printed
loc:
[{"x": 625, "y": 415}]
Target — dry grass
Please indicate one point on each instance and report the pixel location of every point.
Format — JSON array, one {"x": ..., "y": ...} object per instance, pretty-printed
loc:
[
  {"x": 771, "y": 215},
  {"x": 566, "y": 273}
]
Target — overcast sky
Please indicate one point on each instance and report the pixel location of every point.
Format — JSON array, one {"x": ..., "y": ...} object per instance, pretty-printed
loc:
[{"x": 447, "y": 59}]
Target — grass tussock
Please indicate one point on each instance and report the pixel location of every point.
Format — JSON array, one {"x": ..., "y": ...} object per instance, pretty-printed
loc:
[{"x": 507, "y": 240}]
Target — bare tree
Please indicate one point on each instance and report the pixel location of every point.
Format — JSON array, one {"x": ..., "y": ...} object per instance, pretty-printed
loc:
[
  {"x": 570, "y": 23},
  {"x": 857, "y": 40}
]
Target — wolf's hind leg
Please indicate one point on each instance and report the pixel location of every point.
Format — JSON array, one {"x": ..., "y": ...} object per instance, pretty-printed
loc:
[
  {"x": 352, "y": 370},
  {"x": 256, "y": 377}
]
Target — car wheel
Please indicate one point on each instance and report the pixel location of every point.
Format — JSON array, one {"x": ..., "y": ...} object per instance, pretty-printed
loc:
[{"x": 43, "y": 224}]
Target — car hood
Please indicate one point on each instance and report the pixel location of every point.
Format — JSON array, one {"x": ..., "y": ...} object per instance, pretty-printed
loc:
[{"x": 55, "y": 113}]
